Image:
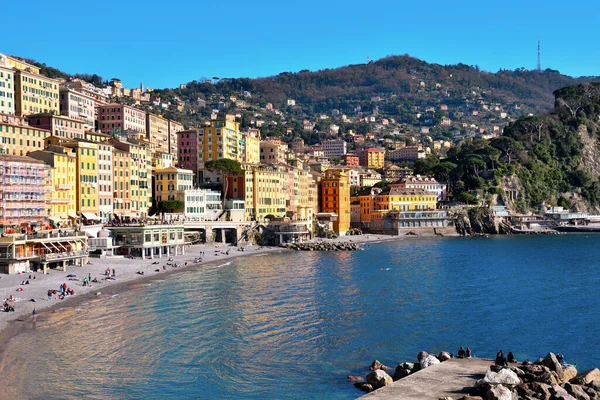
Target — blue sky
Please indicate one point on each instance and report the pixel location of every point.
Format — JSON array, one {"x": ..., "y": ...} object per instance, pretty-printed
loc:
[{"x": 163, "y": 46}]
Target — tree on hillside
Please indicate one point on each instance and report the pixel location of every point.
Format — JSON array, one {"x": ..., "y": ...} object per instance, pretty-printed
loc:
[
  {"x": 225, "y": 166},
  {"x": 507, "y": 145}
]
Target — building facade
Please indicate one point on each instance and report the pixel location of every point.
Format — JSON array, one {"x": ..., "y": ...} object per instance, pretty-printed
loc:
[
  {"x": 157, "y": 132},
  {"x": 35, "y": 94},
  {"x": 171, "y": 184},
  {"x": 335, "y": 199},
  {"x": 335, "y": 148},
  {"x": 7, "y": 90},
  {"x": 78, "y": 106},
  {"x": 115, "y": 118},
  {"x": 18, "y": 138},
  {"x": 59, "y": 125}
]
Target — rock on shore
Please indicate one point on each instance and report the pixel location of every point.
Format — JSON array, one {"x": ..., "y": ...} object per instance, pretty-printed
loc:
[{"x": 323, "y": 246}]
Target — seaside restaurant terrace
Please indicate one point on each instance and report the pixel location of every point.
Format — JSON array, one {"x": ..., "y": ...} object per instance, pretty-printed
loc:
[
  {"x": 148, "y": 241},
  {"x": 40, "y": 251}
]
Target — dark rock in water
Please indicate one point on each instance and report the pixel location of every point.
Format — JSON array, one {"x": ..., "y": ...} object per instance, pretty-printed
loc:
[
  {"x": 365, "y": 387},
  {"x": 375, "y": 365},
  {"x": 406, "y": 365},
  {"x": 576, "y": 391},
  {"x": 379, "y": 379},
  {"x": 401, "y": 373},
  {"x": 355, "y": 378}
]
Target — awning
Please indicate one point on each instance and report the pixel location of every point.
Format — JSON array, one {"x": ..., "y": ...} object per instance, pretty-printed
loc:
[
  {"x": 73, "y": 215},
  {"x": 90, "y": 216},
  {"x": 55, "y": 218}
]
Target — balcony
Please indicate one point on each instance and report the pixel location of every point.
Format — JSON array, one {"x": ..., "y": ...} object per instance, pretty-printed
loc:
[
  {"x": 63, "y": 256},
  {"x": 64, "y": 186}
]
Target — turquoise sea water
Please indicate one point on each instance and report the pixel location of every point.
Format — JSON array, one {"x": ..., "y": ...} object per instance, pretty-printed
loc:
[{"x": 295, "y": 325}]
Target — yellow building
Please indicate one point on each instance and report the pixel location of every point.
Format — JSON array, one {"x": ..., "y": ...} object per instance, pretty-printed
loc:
[
  {"x": 87, "y": 178},
  {"x": 222, "y": 139},
  {"x": 17, "y": 138},
  {"x": 35, "y": 94},
  {"x": 373, "y": 157},
  {"x": 157, "y": 132},
  {"x": 63, "y": 164},
  {"x": 19, "y": 64},
  {"x": 132, "y": 177},
  {"x": 335, "y": 198},
  {"x": 171, "y": 184},
  {"x": 404, "y": 199},
  {"x": 366, "y": 199},
  {"x": 252, "y": 146}
]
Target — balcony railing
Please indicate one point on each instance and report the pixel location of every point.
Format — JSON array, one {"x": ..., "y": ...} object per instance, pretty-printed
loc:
[
  {"x": 64, "y": 186},
  {"x": 59, "y": 256}
]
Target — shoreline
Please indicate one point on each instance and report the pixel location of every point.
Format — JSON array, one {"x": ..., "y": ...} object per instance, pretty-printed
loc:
[{"x": 14, "y": 323}]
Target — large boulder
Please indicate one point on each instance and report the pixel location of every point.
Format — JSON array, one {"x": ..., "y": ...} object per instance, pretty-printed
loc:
[
  {"x": 559, "y": 393},
  {"x": 551, "y": 362},
  {"x": 569, "y": 372},
  {"x": 421, "y": 356},
  {"x": 542, "y": 389},
  {"x": 428, "y": 361},
  {"x": 379, "y": 379},
  {"x": 444, "y": 356},
  {"x": 500, "y": 392},
  {"x": 505, "y": 377},
  {"x": 548, "y": 378},
  {"x": 375, "y": 365},
  {"x": 587, "y": 376},
  {"x": 576, "y": 391}
]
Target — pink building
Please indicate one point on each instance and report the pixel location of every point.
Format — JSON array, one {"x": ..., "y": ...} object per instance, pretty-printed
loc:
[
  {"x": 351, "y": 160},
  {"x": 187, "y": 153},
  {"x": 116, "y": 118},
  {"x": 59, "y": 125}
]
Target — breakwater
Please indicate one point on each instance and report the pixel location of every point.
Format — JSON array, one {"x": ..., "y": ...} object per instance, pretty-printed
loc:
[
  {"x": 323, "y": 246},
  {"x": 544, "y": 378}
]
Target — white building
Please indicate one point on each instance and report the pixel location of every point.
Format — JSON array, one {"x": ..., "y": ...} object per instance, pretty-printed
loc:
[
  {"x": 7, "y": 90},
  {"x": 335, "y": 148},
  {"x": 77, "y": 106},
  {"x": 202, "y": 204}
]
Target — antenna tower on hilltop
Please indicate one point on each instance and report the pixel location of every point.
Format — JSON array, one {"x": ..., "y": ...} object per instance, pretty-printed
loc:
[{"x": 539, "y": 64}]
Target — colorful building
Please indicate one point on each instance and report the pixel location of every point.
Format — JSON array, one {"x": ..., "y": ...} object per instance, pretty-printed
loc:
[
  {"x": 157, "y": 132},
  {"x": 429, "y": 184},
  {"x": 174, "y": 128},
  {"x": 273, "y": 152},
  {"x": 372, "y": 157},
  {"x": 252, "y": 146},
  {"x": 7, "y": 90},
  {"x": 78, "y": 106},
  {"x": 171, "y": 184},
  {"x": 35, "y": 94},
  {"x": 18, "y": 138},
  {"x": 63, "y": 185},
  {"x": 116, "y": 118},
  {"x": 222, "y": 139},
  {"x": 24, "y": 190},
  {"x": 350, "y": 160},
  {"x": 105, "y": 180},
  {"x": 404, "y": 199},
  {"x": 335, "y": 199},
  {"x": 59, "y": 125},
  {"x": 187, "y": 149},
  {"x": 132, "y": 178}
]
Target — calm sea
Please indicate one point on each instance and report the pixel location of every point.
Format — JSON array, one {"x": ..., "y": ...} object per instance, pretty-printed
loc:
[{"x": 295, "y": 325}]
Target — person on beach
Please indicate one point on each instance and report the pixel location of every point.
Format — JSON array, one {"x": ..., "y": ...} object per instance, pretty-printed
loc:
[
  {"x": 461, "y": 353},
  {"x": 468, "y": 353},
  {"x": 500, "y": 360},
  {"x": 34, "y": 313},
  {"x": 114, "y": 273},
  {"x": 510, "y": 357},
  {"x": 49, "y": 295}
]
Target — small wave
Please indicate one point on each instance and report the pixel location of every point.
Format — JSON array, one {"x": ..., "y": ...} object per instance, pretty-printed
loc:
[
  {"x": 115, "y": 295},
  {"x": 223, "y": 265},
  {"x": 259, "y": 255}
]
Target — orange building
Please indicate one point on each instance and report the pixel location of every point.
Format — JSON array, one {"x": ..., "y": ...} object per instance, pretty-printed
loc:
[{"x": 335, "y": 199}]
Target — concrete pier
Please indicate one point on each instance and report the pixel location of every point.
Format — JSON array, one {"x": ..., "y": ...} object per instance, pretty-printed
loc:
[{"x": 453, "y": 378}]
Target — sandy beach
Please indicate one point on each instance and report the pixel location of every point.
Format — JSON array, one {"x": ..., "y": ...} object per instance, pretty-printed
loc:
[{"x": 126, "y": 273}]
